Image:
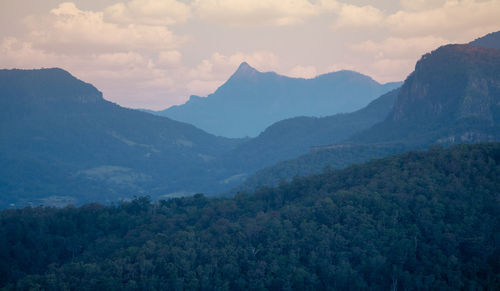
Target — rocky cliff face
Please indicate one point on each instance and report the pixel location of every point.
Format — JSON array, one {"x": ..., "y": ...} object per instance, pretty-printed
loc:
[
  {"x": 452, "y": 96},
  {"x": 453, "y": 82}
]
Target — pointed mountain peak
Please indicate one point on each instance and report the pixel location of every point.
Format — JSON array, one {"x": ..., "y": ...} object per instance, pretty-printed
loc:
[
  {"x": 245, "y": 66},
  {"x": 244, "y": 71}
]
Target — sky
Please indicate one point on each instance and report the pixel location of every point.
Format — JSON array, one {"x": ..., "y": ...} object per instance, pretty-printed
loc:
[{"x": 156, "y": 53}]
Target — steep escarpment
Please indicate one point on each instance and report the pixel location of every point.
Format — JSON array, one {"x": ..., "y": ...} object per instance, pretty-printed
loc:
[{"x": 452, "y": 96}]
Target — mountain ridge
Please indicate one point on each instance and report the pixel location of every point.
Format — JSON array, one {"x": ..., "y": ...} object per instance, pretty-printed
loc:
[
  {"x": 56, "y": 144},
  {"x": 491, "y": 40},
  {"x": 452, "y": 87},
  {"x": 453, "y": 96},
  {"x": 250, "y": 101}
]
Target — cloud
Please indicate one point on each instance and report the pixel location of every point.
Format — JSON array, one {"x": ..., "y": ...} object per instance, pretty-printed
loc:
[
  {"x": 356, "y": 17},
  {"x": 170, "y": 58},
  {"x": 417, "y": 5},
  {"x": 460, "y": 19},
  {"x": 261, "y": 12},
  {"x": 398, "y": 48},
  {"x": 389, "y": 70},
  {"x": 381, "y": 69},
  {"x": 393, "y": 58},
  {"x": 457, "y": 19},
  {"x": 68, "y": 29},
  {"x": 149, "y": 12},
  {"x": 303, "y": 72}
]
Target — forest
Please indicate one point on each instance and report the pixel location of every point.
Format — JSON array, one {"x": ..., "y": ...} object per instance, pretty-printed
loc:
[{"x": 414, "y": 221}]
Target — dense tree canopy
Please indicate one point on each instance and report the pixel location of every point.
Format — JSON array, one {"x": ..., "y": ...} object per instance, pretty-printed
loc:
[{"x": 420, "y": 220}]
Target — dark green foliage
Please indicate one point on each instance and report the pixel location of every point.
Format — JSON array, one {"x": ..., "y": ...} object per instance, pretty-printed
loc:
[
  {"x": 320, "y": 158},
  {"x": 417, "y": 221}
]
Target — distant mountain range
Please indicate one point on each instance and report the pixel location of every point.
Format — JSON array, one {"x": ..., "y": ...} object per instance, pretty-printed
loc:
[
  {"x": 453, "y": 96},
  {"x": 61, "y": 141},
  {"x": 250, "y": 101},
  {"x": 293, "y": 137}
]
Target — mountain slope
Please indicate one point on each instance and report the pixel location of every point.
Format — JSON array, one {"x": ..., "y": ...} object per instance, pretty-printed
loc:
[
  {"x": 453, "y": 96},
  {"x": 491, "y": 40},
  {"x": 61, "y": 141},
  {"x": 250, "y": 100},
  {"x": 293, "y": 137},
  {"x": 421, "y": 220}
]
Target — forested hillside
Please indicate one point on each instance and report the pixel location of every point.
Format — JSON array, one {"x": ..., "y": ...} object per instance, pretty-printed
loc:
[
  {"x": 61, "y": 142},
  {"x": 417, "y": 221},
  {"x": 293, "y": 137}
]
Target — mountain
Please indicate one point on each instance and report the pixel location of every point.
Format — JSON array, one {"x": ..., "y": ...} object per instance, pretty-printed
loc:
[
  {"x": 491, "y": 40},
  {"x": 316, "y": 161},
  {"x": 423, "y": 220},
  {"x": 251, "y": 100},
  {"x": 293, "y": 137},
  {"x": 62, "y": 142},
  {"x": 453, "y": 96}
]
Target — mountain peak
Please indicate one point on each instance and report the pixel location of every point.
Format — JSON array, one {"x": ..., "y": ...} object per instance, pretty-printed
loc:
[
  {"x": 46, "y": 85},
  {"x": 244, "y": 71}
]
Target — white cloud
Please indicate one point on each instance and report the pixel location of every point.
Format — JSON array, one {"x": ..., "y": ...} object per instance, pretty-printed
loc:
[
  {"x": 459, "y": 19},
  {"x": 389, "y": 70},
  {"x": 258, "y": 12},
  {"x": 202, "y": 87},
  {"x": 303, "y": 72},
  {"x": 356, "y": 17},
  {"x": 398, "y": 48},
  {"x": 417, "y": 5},
  {"x": 170, "y": 58},
  {"x": 70, "y": 30},
  {"x": 393, "y": 58},
  {"x": 149, "y": 12}
]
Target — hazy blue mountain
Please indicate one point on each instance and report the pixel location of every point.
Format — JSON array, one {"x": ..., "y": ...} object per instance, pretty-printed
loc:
[
  {"x": 250, "y": 100},
  {"x": 61, "y": 141},
  {"x": 453, "y": 96},
  {"x": 293, "y": 137},
  {"x": 491, "y": 40}
]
